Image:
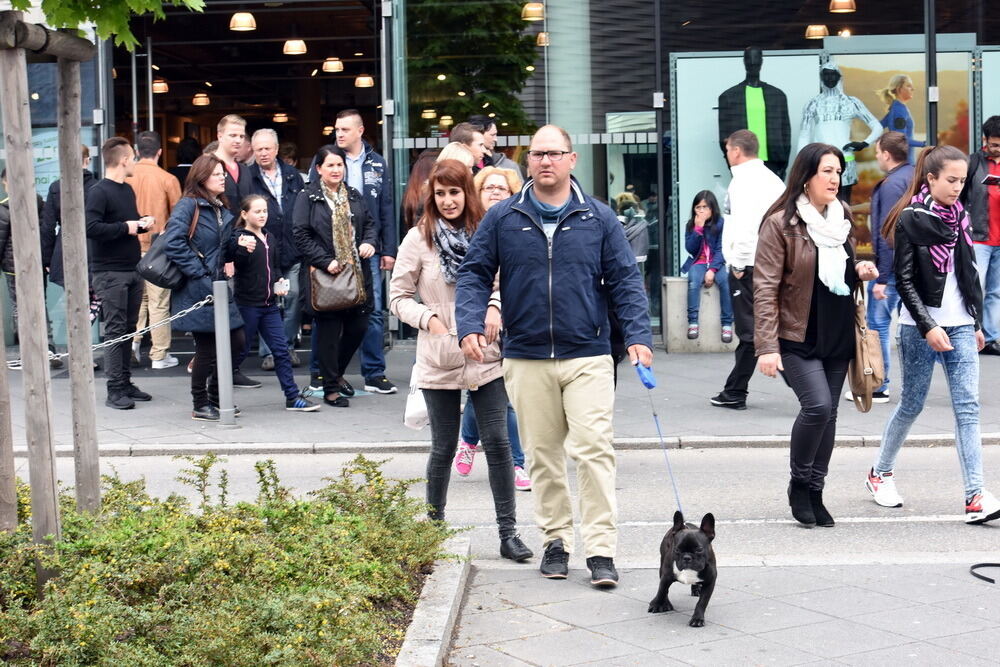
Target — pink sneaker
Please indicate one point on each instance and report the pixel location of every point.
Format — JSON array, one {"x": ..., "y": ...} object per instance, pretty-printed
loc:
[
  {"x": 463, "y": 459},
  {"x": 521, "y": 480}
]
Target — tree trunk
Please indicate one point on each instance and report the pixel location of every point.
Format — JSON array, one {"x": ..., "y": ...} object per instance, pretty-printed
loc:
[
  {"x": 8, "y": 489},
  {"x": 74, "y": 240}
]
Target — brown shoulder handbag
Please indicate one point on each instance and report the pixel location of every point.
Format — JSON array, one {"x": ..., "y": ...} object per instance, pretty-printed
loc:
[
  {"x": 866, "y": 372},
  {"x": 332, "y": 292}
]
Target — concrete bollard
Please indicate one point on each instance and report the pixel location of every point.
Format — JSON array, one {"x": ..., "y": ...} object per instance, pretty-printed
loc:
[
  {"x": 675, "y": 319},
  {"x": 223, "y": 353}
]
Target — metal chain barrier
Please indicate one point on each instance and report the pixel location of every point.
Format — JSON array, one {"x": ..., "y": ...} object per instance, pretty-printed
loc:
[{"x": 16, "y": 363}]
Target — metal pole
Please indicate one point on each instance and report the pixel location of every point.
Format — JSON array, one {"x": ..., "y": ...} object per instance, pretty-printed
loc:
[
  {"x": 149, "y": 80},
  {"x": 930, "y": 29},
  {"x": 223, "y": 353},
  {"x": 135, "y": 98},
  {"x": 666, "y": 257},
  {"x": 74, "y": 240}
]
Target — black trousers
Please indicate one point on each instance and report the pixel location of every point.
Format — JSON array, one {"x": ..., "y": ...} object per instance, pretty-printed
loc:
[
  {"x": 445, "y": 414},
  {"x": 120, "y": 293},
  {"x": 204, "y": 378},
  {"x": 337, "y": 337},
  {"x": 817, "y": 384},
  {"x": 741, "y": 290}
]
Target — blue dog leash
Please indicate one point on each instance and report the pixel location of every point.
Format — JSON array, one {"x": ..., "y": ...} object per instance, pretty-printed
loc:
[{"x": 649, "y": 382}]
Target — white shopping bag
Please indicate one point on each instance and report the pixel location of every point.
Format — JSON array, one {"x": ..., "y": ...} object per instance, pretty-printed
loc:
[{"x": 415, "y": 414}]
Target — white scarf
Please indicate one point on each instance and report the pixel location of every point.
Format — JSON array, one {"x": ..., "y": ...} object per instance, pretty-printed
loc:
[{"x": 829, "y": 233}]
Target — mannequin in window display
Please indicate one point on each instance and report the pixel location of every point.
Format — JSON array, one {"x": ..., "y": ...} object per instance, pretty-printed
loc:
[
  {"x": 761, "y": 108},
  {"x": 827, "y": 119}
]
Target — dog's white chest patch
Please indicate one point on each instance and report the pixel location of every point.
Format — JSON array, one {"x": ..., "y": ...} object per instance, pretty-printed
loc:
[{"x": 686, "y": 577}]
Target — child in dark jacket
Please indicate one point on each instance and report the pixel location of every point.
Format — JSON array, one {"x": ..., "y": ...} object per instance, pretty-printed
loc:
[
  {"x": 706, "y": 266},
  {"x": 258, "y": 284}
]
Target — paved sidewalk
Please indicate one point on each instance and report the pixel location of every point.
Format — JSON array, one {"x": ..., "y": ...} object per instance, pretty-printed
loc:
[
  {"x": 849, "y": 614},
  {"x": 686, "y": 383}
]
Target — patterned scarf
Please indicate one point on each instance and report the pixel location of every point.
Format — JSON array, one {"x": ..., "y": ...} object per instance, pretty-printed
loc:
[
  {"x": 943, "y": 254},
  {"x": 452, "y": 244},
  {"x": 343, "y": 231}
]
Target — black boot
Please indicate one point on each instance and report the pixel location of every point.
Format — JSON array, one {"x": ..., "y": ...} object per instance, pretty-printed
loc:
[
  {"x": 798, "y": 499},
  {"x": 823, "y": 517}
]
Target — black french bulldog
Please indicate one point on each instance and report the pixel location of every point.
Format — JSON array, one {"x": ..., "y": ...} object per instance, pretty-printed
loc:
[{"x": 686, "y": 556}]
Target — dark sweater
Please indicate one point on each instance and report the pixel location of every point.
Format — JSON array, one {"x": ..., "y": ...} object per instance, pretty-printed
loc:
[
  {"x": 109, "y": 205},
  {"x": 256, "y": 272}
]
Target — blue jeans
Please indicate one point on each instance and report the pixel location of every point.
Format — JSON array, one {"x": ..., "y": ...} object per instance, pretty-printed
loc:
[
  {"x": 961, "y": 367},
  {"x": 988, "y": 265},
  {"x": 266, "y": 320},
  {"x": 372, "y": 355},
  {"x": 470, "y": 430},
  {"x": 880, "y": 319},
  {"x": 696, "y": 282},
  {"x": 292, "y": 310}
]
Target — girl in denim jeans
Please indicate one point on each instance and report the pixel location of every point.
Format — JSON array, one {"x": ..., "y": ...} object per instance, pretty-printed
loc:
[
  {"x": 935, "y": 268},
  {"x": 706, "y": 266}
]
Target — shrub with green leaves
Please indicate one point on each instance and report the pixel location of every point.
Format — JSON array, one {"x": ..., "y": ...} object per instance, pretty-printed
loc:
[{"x": 327, "y": 580}]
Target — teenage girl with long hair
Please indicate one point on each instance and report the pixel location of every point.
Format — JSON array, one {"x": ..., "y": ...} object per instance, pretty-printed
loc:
[{"x": 941, "y": 321}]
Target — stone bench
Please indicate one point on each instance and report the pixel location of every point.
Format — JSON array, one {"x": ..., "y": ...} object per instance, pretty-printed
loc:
[{"x": 675, "y": 322}]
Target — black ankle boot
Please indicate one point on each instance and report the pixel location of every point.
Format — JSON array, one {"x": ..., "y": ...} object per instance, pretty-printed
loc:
[
  {"x": 823, "y": 517},
  {"x": 798, "y": 499}
]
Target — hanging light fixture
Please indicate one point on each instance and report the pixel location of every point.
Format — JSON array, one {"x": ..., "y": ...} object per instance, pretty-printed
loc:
[
  {"x": 428, "y": 113},
  {"x": 445, "y": 121},
  {"x": 293, "y": 45},
  {"x": 328, "y": 130},
  {"x": 242, "y": 22},
  {"x": 332, "y": 64},
  {"x": 364, "y": 81},
  {"x": 280, "y": 118},
  {"x": 817, "y": 32},
  {"x": 542, "y": 39},
  {"x": 533, "y": 11},
  {"x": 845, "y": 33},
  {"x": 160, "y": 86},
  {"x": 201, "y": 100},
  {"x": 843, "y": 6}
]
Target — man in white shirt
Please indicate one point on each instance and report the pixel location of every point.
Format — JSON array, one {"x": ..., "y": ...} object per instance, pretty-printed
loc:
[{"x": 752, "y": 191}]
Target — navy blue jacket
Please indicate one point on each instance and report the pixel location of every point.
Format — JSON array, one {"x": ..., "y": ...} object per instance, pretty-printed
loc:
[
  {"x": 692, "y": 241},
  {"x": 555, "y": 294},
  {"x": 279, "y": 218},
  {"x": 209, "y": 239},
  {"x": 885, "y": 195}
]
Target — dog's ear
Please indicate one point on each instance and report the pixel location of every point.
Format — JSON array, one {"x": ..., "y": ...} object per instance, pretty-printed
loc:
[
  {"x": 708, "y": 525},
  {"x": 678, "y": 520}
]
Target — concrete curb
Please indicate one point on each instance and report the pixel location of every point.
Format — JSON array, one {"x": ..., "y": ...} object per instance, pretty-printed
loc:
[
  {"x": 423, "y": 446},
  {"x": 428, "y": 638}
]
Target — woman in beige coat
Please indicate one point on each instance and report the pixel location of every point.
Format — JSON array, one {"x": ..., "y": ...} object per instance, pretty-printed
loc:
[{"x": 426, "y": 267}]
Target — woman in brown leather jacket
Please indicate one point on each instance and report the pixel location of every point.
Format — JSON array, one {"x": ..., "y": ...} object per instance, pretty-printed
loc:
[{"x": 804, "y": 273}]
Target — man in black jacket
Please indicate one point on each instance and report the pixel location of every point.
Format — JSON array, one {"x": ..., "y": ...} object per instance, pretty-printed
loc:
[
  {"x": 51, "y": 221},
  {"x": 279, "y": 184},
  {"x": 113, "y": 223}
]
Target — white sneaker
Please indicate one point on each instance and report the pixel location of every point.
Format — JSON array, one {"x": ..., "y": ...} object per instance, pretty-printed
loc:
[
  {"x": 168, "y": 361},
  {"x": 981, "y": 508},
  {"x": 883, "y": 489},
  {"x": 521, "y": 480}
]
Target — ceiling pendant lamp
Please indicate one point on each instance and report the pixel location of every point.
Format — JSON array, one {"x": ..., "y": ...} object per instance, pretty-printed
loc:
[
  {"x": 332, "y": 64},
  {"x": 293, "y": 45},
  {"x": 542, "y": 39},
  {"x": 280, "y": 118},
  {"x": 533, "y": 11},
  {"x": 328, "y": 130},
  {"x": 364, "y": 81},
  {"x": 817, "y": 32},
  {"x": 428, "y": 114},
  {"x": 160, "y": 86},
  {"x": 843, "y": 6},
  {"x": 242, "y": 22},
  {"x": 201, "y": 100}
]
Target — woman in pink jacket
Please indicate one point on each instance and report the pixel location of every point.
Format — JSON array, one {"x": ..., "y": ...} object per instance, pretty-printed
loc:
[{"x": 426, "y": 267}]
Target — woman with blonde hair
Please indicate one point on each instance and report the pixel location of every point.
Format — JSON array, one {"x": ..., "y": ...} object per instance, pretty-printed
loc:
[
  {"x": 457, "y": 151},
  {"x": 422, "y": 294},
  {"x": 897, "y": 117},
  {"x": 495, "y": 184}
]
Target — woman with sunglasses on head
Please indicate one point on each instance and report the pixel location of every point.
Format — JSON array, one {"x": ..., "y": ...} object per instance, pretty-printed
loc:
[{"x": 422, "y": 294}]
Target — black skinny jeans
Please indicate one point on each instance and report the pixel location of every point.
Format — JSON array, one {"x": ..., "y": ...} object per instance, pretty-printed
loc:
[
  {"x": 817, "y": 383},
  {"x": 204, "y": 379},
  {"x": 337, "y": 337},
  {"x": 444, "y": 411}
]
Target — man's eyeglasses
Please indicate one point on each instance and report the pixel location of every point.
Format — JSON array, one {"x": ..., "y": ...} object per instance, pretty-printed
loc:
[
  {"x": 554, "y": 156},
  {"x": 502, "y": 189}
]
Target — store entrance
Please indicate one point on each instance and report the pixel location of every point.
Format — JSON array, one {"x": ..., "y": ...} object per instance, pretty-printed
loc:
[{"x": 290, "y": 66}]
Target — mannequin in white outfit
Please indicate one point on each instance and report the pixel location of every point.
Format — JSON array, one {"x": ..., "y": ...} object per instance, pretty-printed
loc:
[{"x": 827, "y": 118}]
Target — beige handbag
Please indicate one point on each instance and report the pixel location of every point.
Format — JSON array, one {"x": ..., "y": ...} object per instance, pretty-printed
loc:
[{"x": 866, "y": 372}]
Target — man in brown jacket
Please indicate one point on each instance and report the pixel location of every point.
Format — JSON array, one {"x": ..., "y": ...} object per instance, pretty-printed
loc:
[{"x": 156, "y": 192}]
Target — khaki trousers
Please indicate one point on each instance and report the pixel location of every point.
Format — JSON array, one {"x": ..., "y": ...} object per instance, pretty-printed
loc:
[
  {"x": 155, "y": 308},
  {"x": 565, "y": 407}
]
